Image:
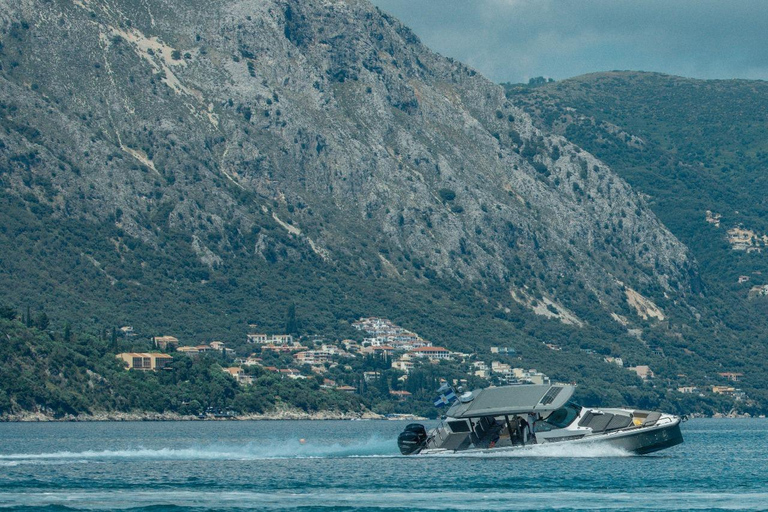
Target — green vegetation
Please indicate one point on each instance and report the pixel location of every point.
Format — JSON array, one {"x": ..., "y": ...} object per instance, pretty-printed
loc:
[
  {"x": 59, "y": 375},
  {"x": 691, "y": 146},
  {"x": 169, "y": 291},
  {"x": 303, "y": 200}
]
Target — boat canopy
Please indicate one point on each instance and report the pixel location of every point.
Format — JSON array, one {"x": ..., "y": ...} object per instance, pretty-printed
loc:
[{"x": 512, "y": 400}]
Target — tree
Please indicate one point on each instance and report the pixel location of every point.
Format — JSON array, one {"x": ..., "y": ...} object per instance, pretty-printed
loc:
[
  {"x": 114, "y": 339},
  {"x": 41, "y": 321},
  {"x": 67, "y": 332},
  {"x": 291, "y": 324},
  {"x": 28, "y": 320},
  {"x": 7, "y": 312},
  {"x": 446, "y": 194}
]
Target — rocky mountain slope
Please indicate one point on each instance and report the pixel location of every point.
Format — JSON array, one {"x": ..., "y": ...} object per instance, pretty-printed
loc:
[
  {"x": 330, "y": 120},
  {"x": 194, "y": 166},
  {"x": 696, "y": 150}
]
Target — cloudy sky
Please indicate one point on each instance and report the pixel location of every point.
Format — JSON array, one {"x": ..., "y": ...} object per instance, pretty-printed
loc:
[{"x": 514, "y": 40}]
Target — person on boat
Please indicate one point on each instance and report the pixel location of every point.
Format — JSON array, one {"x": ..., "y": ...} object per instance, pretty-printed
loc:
[
  {"x": 530, "y": 421},
  {"x": 524, "y": 430}
]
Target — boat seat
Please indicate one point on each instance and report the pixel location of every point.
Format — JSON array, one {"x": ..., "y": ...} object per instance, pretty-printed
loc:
[
  {"x": 652, "y": 419},
  {"x": 456, "y": 441},
  {"x": 619, "y": 421},
  {"x": 586, "y": 419},
  {"x": 599, "y": 421}
]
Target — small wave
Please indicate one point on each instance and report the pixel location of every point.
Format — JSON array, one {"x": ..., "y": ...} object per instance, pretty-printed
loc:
[
  {"x": 268, "y": 449},
  {"x": 294, "y": 449},
  {"x": 389, "y": 500}
]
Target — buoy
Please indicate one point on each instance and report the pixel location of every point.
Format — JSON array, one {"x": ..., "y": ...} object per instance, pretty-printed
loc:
[{"x": 302, "y": 440}]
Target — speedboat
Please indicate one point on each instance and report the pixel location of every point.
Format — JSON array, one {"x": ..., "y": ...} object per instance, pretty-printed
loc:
[{"x": 509, "y": 418}]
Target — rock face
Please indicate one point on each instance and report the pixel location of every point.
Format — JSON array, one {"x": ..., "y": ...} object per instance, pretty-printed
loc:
[{"x": 327, "y": 121}]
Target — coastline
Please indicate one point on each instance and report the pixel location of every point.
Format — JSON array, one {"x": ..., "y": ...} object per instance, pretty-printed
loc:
[
  {"x": 281, "y": 414},
  {"x": 274, "y": 415}
]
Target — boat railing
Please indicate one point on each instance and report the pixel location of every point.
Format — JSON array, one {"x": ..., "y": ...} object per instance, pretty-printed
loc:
[
  {"x": 664, "y": 420},
  {"x": 661, "y": 421}
]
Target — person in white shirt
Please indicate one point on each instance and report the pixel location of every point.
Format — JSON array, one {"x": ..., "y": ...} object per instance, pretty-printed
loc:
[{"x": 529, "y": 434}]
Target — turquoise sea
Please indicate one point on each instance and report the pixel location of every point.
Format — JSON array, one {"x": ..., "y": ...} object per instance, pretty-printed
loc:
[{"x": 355, "y": 465}]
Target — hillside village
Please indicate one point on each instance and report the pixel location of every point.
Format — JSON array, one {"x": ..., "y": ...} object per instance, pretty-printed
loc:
[{"x": 385, "y": 356}]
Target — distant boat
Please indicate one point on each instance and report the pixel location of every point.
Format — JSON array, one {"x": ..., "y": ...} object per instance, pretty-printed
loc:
[{"x": 511, "y": 418}]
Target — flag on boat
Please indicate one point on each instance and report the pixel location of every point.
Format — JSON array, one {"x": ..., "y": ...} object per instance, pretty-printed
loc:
[{"x": 445, "y": 398}]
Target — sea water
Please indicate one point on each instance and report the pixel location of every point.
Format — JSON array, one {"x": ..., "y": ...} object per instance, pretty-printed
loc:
[{"x": 355, "y": 465}]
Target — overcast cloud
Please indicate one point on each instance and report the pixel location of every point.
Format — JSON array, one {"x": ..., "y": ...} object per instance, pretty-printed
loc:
[{"x": 514, "y": 40}]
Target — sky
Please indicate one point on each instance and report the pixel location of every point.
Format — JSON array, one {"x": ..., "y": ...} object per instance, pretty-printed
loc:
[{"x": 514, "y": 40}]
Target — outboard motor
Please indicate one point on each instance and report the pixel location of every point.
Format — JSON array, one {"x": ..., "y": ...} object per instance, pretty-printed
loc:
[{"x": 412, "y": 439}]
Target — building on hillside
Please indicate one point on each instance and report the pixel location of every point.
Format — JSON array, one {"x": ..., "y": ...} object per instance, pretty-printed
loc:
[
  {"x": 499, "y": 367},
  {"x": 688, "y": 389},
  {"x": 404, "y": 363},
  {"x": 294, "y": 347},
  {"x": 614, "y": 360},
  {"x": 530, "y": 375},
  {"x": 346, "y": 389},
  {"x": 351, "y": 346},
  {"x": 400, "y": 395},
  {"x": 292, "y": 373},
  {"x": 313, "y": 357},
  {"x": 383, "y": 351},
  {"x": 732, "y": 376},
  {"x": 503, "y": 350},
  {"x": 371, "y": 376},
  {"x": 213, "y": 347},
  {"x": 723, "y": 390},
  {"x": 459, "y": 356},
  {"x": 383, "y": 332},
  {"x": 127, "y": 331},
  {"x": 239, "y": 375},
  {"x": 166, "y": 342},
  {"x": 251, "y": 360},
  {"x": 274, "y": 339},
  {"x": 190, "y": 351},
  {"x": 434, "y": 353},
  {"x": 644, "y": 372},
  {"x": 145, "y": 361}
]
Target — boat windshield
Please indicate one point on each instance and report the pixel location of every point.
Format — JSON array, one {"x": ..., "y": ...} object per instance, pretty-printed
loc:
[{"x": 563, "y": 416}]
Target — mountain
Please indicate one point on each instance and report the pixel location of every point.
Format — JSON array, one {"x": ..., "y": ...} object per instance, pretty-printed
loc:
[
  {"x": 695, "y": 150},
  {"x": 194, "y": 167}
]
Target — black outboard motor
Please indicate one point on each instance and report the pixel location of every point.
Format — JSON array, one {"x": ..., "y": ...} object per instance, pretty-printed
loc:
[{"x": 412, "y": 439}]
